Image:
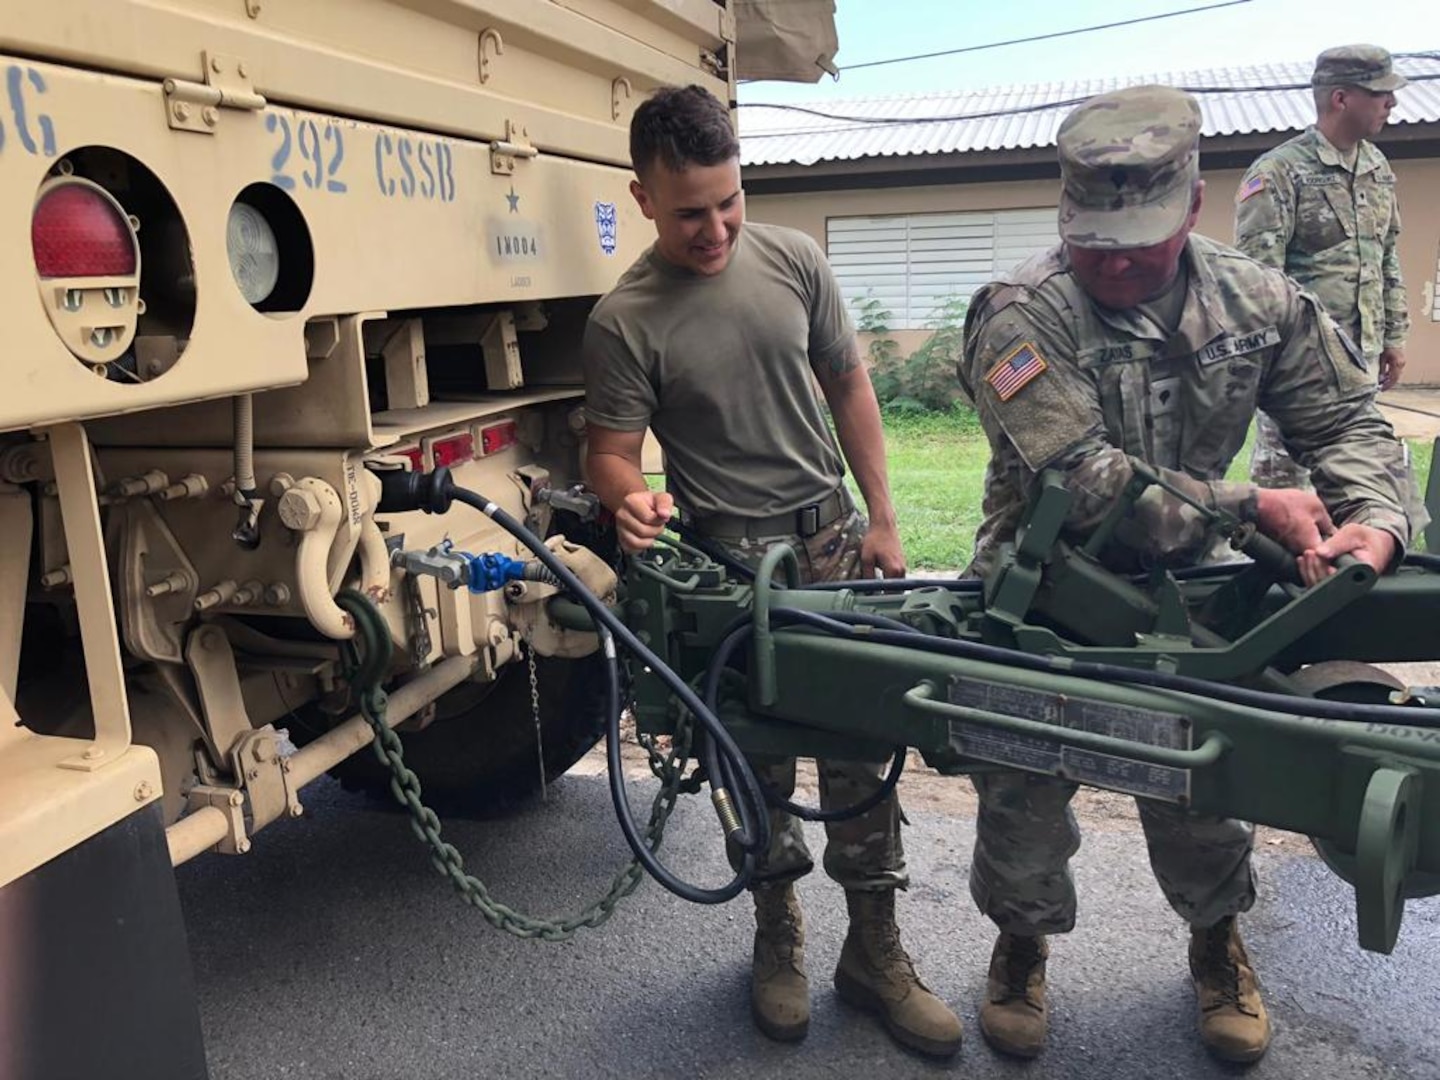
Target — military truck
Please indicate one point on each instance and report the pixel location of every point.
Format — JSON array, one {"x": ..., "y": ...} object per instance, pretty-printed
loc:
[{"x": 257, "y": 254}]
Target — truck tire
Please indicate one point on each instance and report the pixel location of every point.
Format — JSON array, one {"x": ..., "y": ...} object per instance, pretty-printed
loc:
[{"x": 478, "y": 757}]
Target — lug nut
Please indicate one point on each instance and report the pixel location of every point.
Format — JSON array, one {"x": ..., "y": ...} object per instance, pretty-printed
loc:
[
  {"x": 55, "y": 578},
  {"x": 300, "y": 510},
  {"x": 147, "y": 484},
  {"x": 220, "y": 594},
  {"x": 188, "y": 487},
  {"x": 252, "y": 592},
  {"x": 175, "y": 581}
]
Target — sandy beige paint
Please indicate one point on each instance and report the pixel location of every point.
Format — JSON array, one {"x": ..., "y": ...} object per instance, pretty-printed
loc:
[{"x": 1419, "y": 181}]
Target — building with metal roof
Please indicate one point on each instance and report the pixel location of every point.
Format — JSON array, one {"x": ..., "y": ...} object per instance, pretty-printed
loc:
[
  {"x": 1249, "y": 101},
  {"x": 920, "y": 199}
]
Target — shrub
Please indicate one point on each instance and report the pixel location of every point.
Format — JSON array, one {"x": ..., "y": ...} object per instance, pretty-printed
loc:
[{"x": 925, "y": 380}]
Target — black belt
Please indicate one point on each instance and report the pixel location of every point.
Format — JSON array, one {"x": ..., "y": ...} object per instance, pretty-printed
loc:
[{"x": 804, "y": 521}]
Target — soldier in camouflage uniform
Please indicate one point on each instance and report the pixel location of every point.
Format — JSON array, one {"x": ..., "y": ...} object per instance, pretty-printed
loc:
[
  {"x": 715, "y": 340},
  {"x": 1135, "y": 340},
  {"x": 1322, "y": 207}
]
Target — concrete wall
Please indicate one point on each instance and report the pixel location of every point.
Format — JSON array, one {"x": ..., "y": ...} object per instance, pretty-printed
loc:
[{"x": 1418, "y": 184}]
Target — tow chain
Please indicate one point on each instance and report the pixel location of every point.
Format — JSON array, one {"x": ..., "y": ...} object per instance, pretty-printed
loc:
[
  {"x": 368, "y": 660},
  {"x": 419, "y": 617},
  {"x": 535, "y": 712}
]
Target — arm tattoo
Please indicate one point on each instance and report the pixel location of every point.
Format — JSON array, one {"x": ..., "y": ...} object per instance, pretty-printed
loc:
[{"x": 847, "y": 361}]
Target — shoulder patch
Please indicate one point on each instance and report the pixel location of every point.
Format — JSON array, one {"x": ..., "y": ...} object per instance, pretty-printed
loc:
[
  {"x": 1018, "y": 369},
  {"x": 1332, "y": 330},
  {"x": 1253, "y": 186}
]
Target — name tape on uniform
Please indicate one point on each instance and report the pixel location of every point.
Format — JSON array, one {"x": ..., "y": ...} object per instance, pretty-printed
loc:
[{"x": 1238, "y": 345}]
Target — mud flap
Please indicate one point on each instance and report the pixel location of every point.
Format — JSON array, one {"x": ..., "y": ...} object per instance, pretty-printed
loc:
[{"x": 96, "y": 978}]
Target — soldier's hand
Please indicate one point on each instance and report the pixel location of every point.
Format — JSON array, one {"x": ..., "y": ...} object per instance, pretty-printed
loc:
[
  {"x": 1374, "y": 547},
  {"x": 1392, "y": 366},
  {"x": 881, "y": 548},
  {"x": 1296, "y": 520},
  {"x": 642, "y": 517}
]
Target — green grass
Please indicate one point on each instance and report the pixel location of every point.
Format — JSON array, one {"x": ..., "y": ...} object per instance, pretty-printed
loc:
[{"x": 937, "y": 475}]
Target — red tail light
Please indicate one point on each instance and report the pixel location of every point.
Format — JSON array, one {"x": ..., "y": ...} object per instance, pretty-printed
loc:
[
  {"x": 497, "y": 437},
  {"x": 78, "y": 231},
  {"x": 452, "y": 450},
  {"x": 412, "y": 454}
]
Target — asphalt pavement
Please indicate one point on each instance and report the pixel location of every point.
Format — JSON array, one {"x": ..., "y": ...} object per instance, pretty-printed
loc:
[{"x": 334, "y": 950}]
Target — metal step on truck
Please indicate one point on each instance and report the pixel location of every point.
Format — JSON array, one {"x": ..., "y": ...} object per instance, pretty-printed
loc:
[{"x": 257, "y": 255}]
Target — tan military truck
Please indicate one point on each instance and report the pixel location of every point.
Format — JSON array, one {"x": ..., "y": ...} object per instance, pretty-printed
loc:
[{"x": 255, "y": 254}]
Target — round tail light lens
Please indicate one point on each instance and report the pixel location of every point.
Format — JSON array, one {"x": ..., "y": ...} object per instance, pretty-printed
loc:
[
  {"x": 254, "y": 252},
  {"x": 79, "y": 231}
]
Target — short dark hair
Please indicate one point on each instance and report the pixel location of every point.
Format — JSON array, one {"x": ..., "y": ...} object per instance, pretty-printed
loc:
[
  {"x": 681, "y": 126},
  {"x": 1325, "y": 98}
]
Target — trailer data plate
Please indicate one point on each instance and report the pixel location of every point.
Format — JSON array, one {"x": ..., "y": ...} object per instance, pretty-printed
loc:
[{"x": 1039, "y": 754}]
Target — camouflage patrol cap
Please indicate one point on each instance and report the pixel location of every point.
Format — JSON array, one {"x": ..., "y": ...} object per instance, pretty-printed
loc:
[
  {"x": 1365, "y": 66},
  {"x": 1128, "y": 162}
]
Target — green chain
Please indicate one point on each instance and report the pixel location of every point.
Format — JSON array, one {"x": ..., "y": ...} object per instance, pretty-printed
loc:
[{"x": 368, "y": 654}]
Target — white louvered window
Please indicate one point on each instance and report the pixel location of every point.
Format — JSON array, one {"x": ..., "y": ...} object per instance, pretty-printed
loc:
[
  {"x": 911, "y": 264},
  {"x": 1435, "y": 294}
]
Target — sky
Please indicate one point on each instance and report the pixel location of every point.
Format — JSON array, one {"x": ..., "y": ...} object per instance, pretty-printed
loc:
[{"x": 1250, "y": 32}]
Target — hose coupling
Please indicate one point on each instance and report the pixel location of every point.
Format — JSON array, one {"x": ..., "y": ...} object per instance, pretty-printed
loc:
[{"x": 725, "y": 811}]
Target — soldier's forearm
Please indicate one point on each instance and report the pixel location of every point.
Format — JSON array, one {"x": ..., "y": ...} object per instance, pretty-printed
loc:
[
  {"x": 1384, "y": 518},
  {"x": 1162, "y": 524}
]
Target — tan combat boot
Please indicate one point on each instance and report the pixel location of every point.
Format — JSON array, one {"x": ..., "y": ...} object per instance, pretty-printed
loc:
[
  {"x": 1233, "y": 1023},
  {"x": 875, "y": 973},
  {"x": 779, "y": 990},
  {"x": 1014, "y": 1018}
]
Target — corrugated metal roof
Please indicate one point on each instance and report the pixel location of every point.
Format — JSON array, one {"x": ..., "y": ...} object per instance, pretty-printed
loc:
[{"x": 1234, "y": 101}]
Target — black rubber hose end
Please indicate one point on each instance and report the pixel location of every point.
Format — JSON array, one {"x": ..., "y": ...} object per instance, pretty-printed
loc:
[{"x": 402, "y": 491}]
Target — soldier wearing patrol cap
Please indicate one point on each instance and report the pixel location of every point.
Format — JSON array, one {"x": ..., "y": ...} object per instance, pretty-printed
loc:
[
  {"x": 1322, "y": 207},
  {"x": 1136, "y": 340}
]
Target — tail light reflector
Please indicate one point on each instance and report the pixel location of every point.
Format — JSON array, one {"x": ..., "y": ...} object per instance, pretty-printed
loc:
[
  {"x": 79, "y": 231},
  {"x": 452, "y": 449},
  {"x": 497, "y": 437},
  {"x": 412, "y": 454}
]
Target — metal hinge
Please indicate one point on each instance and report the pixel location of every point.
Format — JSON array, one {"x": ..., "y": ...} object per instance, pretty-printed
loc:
[
  {"x": 192, "y": 106},
  {"x": 715, "y": 62},
  {"x": 516, "y": 144}
]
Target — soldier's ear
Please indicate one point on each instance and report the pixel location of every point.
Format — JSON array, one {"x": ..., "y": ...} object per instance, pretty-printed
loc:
[
  {"x": 642, "y": 198},
  {"x": 1196, "y": 201}
]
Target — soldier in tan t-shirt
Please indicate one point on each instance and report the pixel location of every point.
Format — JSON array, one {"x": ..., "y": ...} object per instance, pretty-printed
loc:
[{"x": 714, "y": 340}]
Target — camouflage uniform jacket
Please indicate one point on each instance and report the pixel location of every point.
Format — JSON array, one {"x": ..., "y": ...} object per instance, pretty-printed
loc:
[
  {"x": 1299, "y": 209},
  {"x": 1100, "y": 388}
]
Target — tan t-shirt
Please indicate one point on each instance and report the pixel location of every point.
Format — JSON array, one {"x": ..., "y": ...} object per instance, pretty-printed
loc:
[{"x": 721, "y": 369}]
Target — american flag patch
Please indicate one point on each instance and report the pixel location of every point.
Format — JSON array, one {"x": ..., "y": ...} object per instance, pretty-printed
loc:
[
  {"x": 1010, "y": 375},
  {"x": 1252, "y": 186}
]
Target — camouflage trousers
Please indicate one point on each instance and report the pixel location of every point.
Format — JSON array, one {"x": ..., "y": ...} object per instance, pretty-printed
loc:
[
  {"x": 1026, "y": 832},
  {"x": 864, "y": 853}
]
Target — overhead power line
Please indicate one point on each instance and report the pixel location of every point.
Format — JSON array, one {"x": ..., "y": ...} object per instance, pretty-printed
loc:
[
  {"x": 1042, "y": 37},
  {"x": 856, "y": 123}
]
